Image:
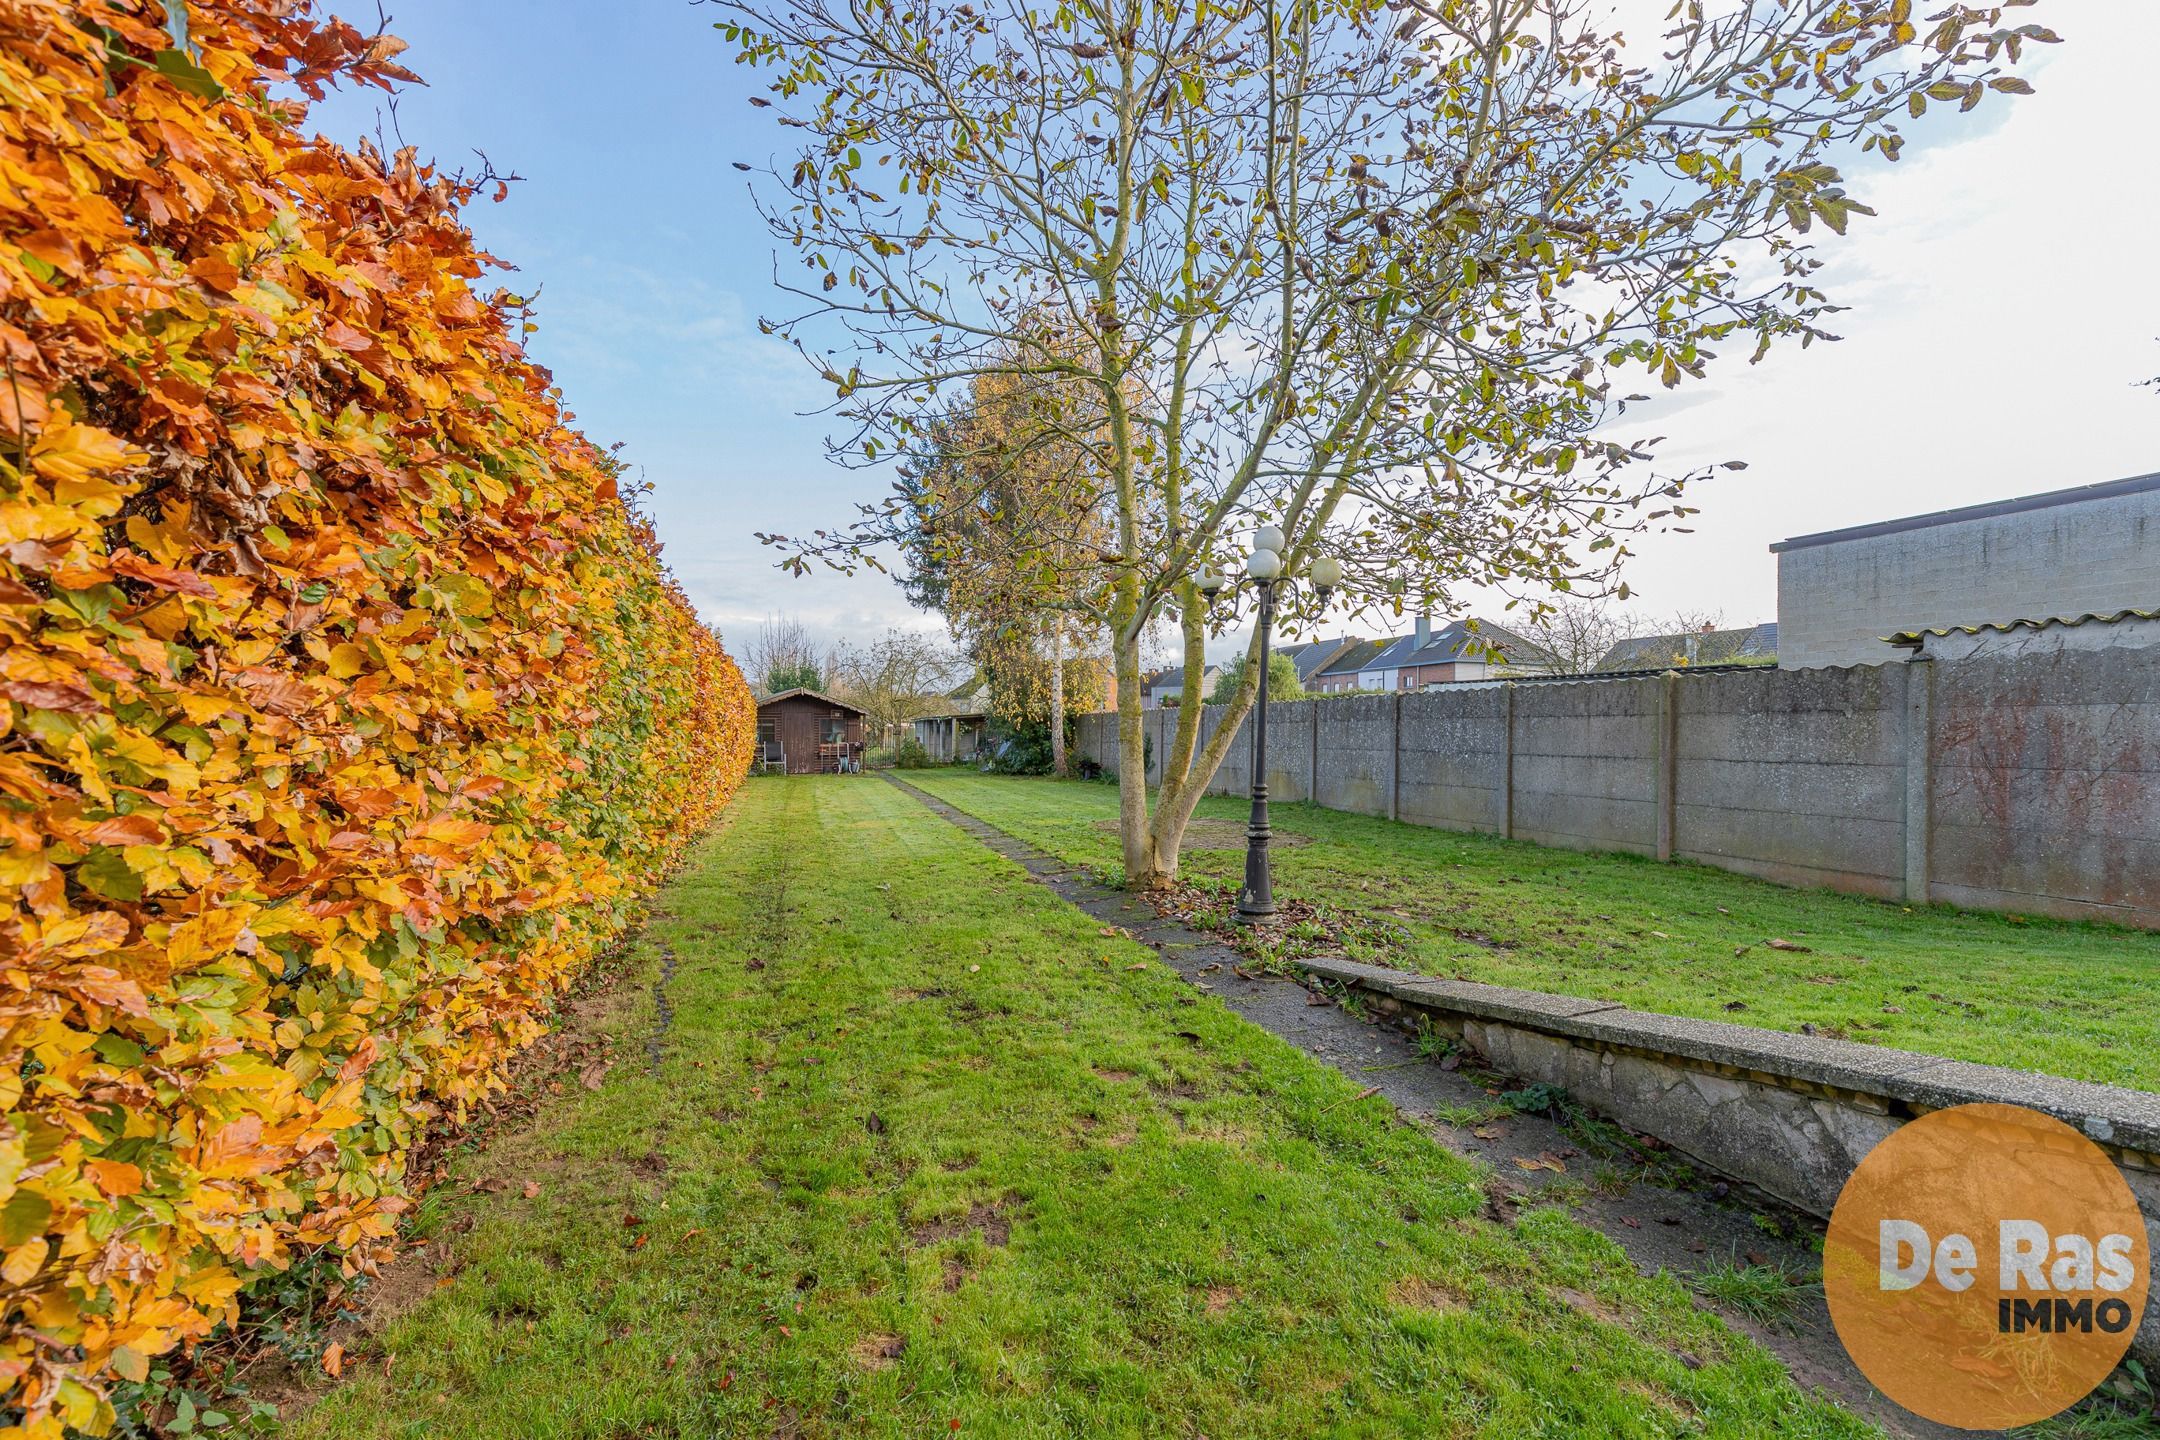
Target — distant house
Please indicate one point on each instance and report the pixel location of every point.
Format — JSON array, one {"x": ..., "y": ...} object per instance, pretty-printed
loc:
[
  {"x": 1464, "y": 650},
  {"x": 1313, "y": 656},
  {"x": 1170, "y": 685},
  {"x": 971, "y": 696},
  {"x": 2009, "y": 639},
  {"x": 1461, "y": 650},
  {"x": 1755, "y": 644},
  {"x": 807, "y": 732},
  {"x": 1346, "y": 672}
]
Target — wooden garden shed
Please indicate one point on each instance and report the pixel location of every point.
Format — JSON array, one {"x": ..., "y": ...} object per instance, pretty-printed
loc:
[{"x": 806, "y": 732}]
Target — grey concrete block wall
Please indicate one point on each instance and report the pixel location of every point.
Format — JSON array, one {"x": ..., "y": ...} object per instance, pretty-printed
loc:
[
  {"x": 1837, "y": 599},
  {"x": 2029, "y": 784}
]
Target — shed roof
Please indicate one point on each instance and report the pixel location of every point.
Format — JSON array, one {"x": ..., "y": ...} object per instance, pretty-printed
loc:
[
  {"x": 806, "y": 693},
  {"x": 2106, "y": 490},
  {"x": 1913, "y": 639}
]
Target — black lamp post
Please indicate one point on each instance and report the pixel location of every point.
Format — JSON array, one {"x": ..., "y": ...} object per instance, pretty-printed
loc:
[{"x": 1265, "y": 571}]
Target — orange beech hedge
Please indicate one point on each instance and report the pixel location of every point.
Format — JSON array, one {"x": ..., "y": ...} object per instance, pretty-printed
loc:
[{"x": 348, "y": 708}]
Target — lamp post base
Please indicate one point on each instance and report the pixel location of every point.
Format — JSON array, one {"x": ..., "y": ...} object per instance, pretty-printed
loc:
[{"x": 1256, "y": 902}]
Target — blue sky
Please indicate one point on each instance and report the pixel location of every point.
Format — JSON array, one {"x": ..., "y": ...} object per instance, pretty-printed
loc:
[
  {"x": 623, "y": 118},
  {"x": 1998, "y": 317}
]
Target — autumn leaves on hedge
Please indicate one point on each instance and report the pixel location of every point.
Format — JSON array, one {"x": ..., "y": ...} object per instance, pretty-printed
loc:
[{"x": 347, "y": 706}]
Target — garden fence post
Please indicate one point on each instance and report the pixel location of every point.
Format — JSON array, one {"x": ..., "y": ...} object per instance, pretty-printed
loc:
[
  {"x": 1668, "y": 758},
  {"x": 1394, "y": 761},
  {"x": 1919, "y": 776},
  {"x": 1312, "y": 783},
  {"x": 1504, "y": 796}
]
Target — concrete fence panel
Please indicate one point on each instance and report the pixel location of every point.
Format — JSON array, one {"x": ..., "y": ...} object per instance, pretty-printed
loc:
[
  {"x": 2027, "y": 784},
  {"x": 1289, "y": 750},
  {"x": 2047, "y": 784},
  {"x": 1452, "y": 760},
  {"x": 1357, "y": 754},
  {"x": 1796, "y": 776},
  {"x": 1096, "y": 739},
  {"x": 1585, "y": 764}
]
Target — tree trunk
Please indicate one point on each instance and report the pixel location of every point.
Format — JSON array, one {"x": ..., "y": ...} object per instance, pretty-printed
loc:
[
  {"x": 1177, "y": 801},
  {"x": 1057, "y": 696},
  {"x": 1139, "y": 844}
]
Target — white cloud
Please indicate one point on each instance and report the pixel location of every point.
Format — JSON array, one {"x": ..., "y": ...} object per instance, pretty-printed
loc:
[{"x": 2001, "y": 315}]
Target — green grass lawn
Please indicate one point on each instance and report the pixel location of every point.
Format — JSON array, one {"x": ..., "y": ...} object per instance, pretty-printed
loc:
[
  {"x": 2068, "y": 999},
  {"x": 924, "y": 1151}
]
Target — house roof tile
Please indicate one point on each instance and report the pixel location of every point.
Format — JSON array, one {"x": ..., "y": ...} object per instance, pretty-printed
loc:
[
  {"x": 1358, "y": 657},
  {"x": 1712, "y": 647},
  {"x": 1459, "y": 640}
]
